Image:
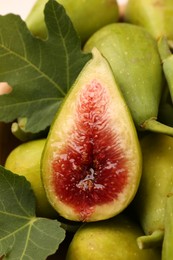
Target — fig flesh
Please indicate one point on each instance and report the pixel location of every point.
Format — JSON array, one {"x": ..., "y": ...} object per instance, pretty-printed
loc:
[
  {"x": 155, "y": 186},
  {"x": 91, "y": 164},
  {"x": 110, "y": 239},
  {"x": 82, "y": 14}
]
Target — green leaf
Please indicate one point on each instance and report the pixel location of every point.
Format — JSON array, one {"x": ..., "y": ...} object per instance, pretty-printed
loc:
[
  {"x": 40, "y": 72},
  {"x": 22, "y": 234}
]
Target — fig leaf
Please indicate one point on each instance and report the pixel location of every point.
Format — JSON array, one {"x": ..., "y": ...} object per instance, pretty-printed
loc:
[
  {"x": 40, "y": 72},
  {"x": 22, "y": 234}
]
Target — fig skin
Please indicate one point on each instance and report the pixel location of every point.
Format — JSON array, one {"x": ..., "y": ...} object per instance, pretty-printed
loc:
[
  {"x": 81, "y": 168},
  {"x": 25, "y": 160},
  {"x": 135, "y": 61},
  {"x": 156, "y": 183},
  {"x": 110, "y": 239},
  {"x": 155, "y": 16},
  {"x": 86, "y": 16}
]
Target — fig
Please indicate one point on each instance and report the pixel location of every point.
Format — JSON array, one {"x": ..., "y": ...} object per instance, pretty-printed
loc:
[
  {"x": 156, "y": 183},
  {"x": 25, "y": 160},
  {"x": 109, "y": 239},
  {"x": 86, "y": 16},
  {"x": 155, "y": 16},
  {"x": 91, "y": 163},
  {"x": 134, "y": 58}
]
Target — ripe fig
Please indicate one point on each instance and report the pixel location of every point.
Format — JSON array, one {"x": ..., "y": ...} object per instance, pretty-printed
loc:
[
  {"x": 155, "y": 16},
  {"x": 109, "y": 239},
  {"x": 99, "y": 13},
  {"x": 25, "y": 160},
  {"x": 156, "y": 183},
  {"x": 91, "y": 164},
  {"x": 134, "y": 58}
]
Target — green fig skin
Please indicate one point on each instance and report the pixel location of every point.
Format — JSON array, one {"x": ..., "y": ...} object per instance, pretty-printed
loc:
[
  {"x": 87, "y": 177},
  {"x": 86, "y": 16},
  {"x": 155, "y": 185},
  {"x": 111, "y": 239},
  {"x": 133, "y": 56},
  {"x": 155, "y": 16}
]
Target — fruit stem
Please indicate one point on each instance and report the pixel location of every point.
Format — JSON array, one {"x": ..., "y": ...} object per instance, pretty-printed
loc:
[
  {"x": 150, "y": 241},
  {"x": 19, "y": 131},
  {"x": 154, "y": 126},
  {"x": 167, "y": 248}
]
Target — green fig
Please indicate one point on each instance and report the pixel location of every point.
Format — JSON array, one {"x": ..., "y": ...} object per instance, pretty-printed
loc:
[
  {"x": 155, "y": 16},
  {"x": 110, "y": 239},
  {"x": 86, "y": 16},
  {"x": 25, "y": 160},
  {"x": 156, "y": 183},
  {"x": 91, "y": 164},
  {"x": 134, "y": 58}
]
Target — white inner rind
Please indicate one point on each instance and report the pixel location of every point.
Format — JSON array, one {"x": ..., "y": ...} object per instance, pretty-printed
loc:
[{"x": 121, "y": 124}]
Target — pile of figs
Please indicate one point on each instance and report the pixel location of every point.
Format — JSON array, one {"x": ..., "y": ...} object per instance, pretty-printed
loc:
[{"x": 106, "y": 167}]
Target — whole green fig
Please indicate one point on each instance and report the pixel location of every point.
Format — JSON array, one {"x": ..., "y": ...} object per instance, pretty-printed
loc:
[
  {"x": 156, "y": 183},
  {"x": 114, "y": 239},
  {"x": 86, "y": 16},
  {"x": 134, "y": 58}
]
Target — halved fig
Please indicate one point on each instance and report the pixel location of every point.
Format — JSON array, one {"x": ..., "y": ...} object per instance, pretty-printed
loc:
[{"x": 91, "y": 164}]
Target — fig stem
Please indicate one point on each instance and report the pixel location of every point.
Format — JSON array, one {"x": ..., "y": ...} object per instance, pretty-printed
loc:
[
  {"x": 167, "y": 248},
  {"x": 155, "y": 126},
  {"x": 18, "y": 130},
  {"x": 150, "y": 241}
]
